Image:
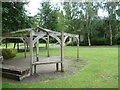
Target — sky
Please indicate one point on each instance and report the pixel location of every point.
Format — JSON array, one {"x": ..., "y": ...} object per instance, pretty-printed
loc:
[{"x": 33, "y": 6}]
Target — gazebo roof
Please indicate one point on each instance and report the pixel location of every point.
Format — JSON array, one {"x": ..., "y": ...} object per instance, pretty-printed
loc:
[{"x": 36, "y": 30}]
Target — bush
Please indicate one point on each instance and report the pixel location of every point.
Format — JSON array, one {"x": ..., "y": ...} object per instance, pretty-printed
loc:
[
  {"x": 83, "y": 43},
  {"x": 8, "y": 53},
  {"x": 99, "y": 41},
  {"x": 118, "y": 41}
]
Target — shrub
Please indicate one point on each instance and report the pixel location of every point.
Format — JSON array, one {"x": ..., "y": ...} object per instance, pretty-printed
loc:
[
  {"x": 99, "y": 41},
  {"x": 83, "y": 43},
  {"x": 8, "y": 53}
]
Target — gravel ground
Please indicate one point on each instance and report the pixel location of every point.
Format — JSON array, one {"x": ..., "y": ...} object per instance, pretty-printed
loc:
[{"x": 46, "y": 72}]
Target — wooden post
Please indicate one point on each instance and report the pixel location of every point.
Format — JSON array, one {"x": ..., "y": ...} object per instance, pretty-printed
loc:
[
  {"x": 31, "y": 53},
  {"x": 48, "y": 49},
  {"x": 57, "y": 66},
  {"x": 18, "y": 47},
  {"x": 46, "y": 46},
  {"x": 27, "y": 46},
  {"x": 34, "y": 69},
  {"x": 37, "y": 51},
  {"x": 62, "y": 51},
  {"x": 14, "y": 45},
  {"x": 78, "y": 48},
  {"x": 25, "y": 49},
  {"x": 72, "y": 42},
  {"x": 6, "y": 43}
]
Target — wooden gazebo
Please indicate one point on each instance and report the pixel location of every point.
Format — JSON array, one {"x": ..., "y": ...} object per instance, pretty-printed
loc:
[{"x": 31, "y": 36}]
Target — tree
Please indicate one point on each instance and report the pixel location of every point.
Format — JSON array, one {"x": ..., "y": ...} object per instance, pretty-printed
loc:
[
  {"x": 61, "y": 26},
  {"x": 90, "y": 10},
  {"x": 110, "y": 7},
  {"x": 14, "y": 16},
  {"x": 47, "y": 16}
]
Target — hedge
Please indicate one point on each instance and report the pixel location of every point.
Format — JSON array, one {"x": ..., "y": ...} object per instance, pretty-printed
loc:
[{"x": 8, "y": 53}]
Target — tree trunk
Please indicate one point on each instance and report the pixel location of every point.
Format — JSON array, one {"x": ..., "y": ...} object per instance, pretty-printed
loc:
[
  {"x": 110, "y": 34},
  {"x": 89, "y": 41}
]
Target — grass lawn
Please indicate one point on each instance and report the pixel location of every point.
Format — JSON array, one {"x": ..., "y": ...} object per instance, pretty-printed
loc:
[
  {"x": 100, "y": 72},
  {"x": 103, "y": 46},
  {"x": 11, "y": 45}
]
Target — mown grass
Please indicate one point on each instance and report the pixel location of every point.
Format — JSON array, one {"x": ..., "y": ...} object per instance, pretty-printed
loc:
[
  {"x": 11, "y": 45},
  {"x": 101, "y": 71}
]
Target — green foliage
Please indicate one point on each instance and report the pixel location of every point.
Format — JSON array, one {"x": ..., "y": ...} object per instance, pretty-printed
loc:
[
  {"x": 8, "y": 53},
  {"x": 14, "y": 16},
  {"x": 47, "y": 16},
  {"x": 74, "y": 17},
  {"x": 100, "y": 41}
]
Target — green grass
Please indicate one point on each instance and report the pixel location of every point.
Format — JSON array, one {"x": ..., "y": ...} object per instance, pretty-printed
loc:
[
  {"x": 100, "y": 72},
  {"x": 103, "y": 46},
  {"x": 11, "y": 45}
]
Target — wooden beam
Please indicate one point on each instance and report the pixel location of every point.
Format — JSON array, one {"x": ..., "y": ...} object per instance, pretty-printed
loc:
[
  {"x": 6, "y": 43},
  {"x": 48, "y": 49},
  {"x": 25, "y": 49},
  {"x": 22, "y": 30},
  {"x": 78, "y": 48},
  {"x": 31, "y": 53},
  {"x": 37, "y": 51},
  {"x": 72, "y": 42},
  {"x": 38, "y": 37},
  {"x": 62, "y": 51},
  {"x": 56, "y": 37},
  {"x": 18, "y": 47}
]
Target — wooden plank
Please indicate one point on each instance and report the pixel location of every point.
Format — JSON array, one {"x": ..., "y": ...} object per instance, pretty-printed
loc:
[
  {"x": 14, "y": 76},
  {"x": 22, "y": 30},
  {"x": 13, "y": 72},
  {"x": 14, "y": 69},
  {"x": 10, "y": 76},
  {"x": 40, "y": 63}
]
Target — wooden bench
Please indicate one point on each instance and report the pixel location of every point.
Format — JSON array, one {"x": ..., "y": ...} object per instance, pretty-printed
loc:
[{"x": 43, "y": 63}]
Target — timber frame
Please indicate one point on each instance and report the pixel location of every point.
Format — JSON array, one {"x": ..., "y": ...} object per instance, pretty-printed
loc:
[{"x": 32, "y": 39}]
